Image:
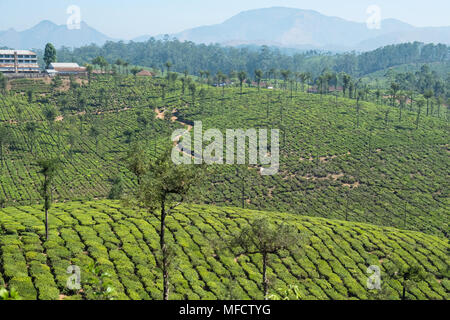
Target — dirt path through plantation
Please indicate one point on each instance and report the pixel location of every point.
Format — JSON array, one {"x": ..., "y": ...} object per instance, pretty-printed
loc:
[{"x": 160, "y": 114}]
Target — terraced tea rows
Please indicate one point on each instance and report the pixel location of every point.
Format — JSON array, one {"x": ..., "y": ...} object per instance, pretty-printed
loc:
[
  {"x": 383, "y": 172},
  {"x": 331, "y": 265},
  {"x": 90, "y": 164}
]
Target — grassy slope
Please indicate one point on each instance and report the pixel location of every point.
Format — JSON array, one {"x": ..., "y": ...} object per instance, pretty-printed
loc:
[{"x": 332, "y": 265}]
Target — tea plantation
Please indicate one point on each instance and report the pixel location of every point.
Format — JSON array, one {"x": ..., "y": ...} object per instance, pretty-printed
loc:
[
  {"x": 366, "y": 183},
  {"x": 331, "y": 264},
  {"x": 375, "y": 166}
]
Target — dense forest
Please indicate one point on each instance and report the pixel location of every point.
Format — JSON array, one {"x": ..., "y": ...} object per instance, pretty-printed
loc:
[{"x": 195, "y": 57}]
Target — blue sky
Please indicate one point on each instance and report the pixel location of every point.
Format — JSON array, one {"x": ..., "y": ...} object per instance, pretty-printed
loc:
[{"x": 130, "y": 18}]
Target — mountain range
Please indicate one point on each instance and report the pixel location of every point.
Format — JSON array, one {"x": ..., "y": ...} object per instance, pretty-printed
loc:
[
  {"x": 47, "y": 31},
  {"x": 277, "y": 26}
]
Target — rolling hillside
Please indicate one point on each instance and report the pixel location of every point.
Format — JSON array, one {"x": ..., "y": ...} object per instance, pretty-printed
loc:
[
  {"x": 385, "y": 172},
  {"x": 331, "y": 265}
]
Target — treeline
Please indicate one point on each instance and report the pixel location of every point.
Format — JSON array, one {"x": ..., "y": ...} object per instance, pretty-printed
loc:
[
  {"x": 214, "y": 58},
  {"x": 391, "y": 56}
]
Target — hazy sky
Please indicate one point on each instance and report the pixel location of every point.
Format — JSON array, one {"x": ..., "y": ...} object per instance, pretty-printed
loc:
[{"x": 130, "y": 18}]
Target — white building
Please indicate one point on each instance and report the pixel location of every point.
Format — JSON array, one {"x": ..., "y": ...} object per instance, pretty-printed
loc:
[
  {"x": 18, "y": 61},
  {"x": 62, "y": 68}
]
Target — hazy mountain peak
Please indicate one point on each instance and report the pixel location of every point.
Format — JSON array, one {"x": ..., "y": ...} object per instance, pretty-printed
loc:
[
  {"x": 274, "y": 26},
  {"x": 297, "y": 28},
  {"x": 48, "y": 31},
  {"x": 46, "y": 23}
]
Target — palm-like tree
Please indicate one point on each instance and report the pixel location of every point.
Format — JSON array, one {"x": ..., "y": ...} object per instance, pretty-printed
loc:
[
  {"x": 320, "y": 81},
  {"x": 378, "y": 95},
  {"x": 125, "y": 65},
  {"x": 285, "y": 74},
  {"x": 242, "y": 76},
  {"x": 402, "y": 97},
  {"x": 346, "y": 80},
  {"x": 89, "y": 69},
  {"x": 168, "y": 66},
  {"x": 272, "y": 73},
  {"x": 428, "y": 95},
  {"x": 207, "y": 75},
  {"x": 359, "y": 96},
  {"x": 394, "y": 89},
  {"x": 301, "y": 77},
  {"x": 119, "y": 63},
  {"x": 221, "y": 78},
  {"x": 193, "y": 89},
  {"x": 326, "y": 81},
  {"x": 258, "y": 77},
  {"x": 420, "y": 103}
]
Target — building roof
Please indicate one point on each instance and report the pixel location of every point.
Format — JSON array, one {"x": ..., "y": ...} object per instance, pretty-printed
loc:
[
  {"x": 145, "y": 73},
  {"x": 26, "y": 52},
  {"x": 55, "y": 65},
  {"x": 68, "y": 69}
]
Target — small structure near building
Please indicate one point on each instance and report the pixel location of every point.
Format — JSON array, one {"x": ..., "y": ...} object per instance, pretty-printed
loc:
[
  {"x": 65, "y": 69},
  {"x": 145, "y": 73},
  {"x": 18, "y": 61}
]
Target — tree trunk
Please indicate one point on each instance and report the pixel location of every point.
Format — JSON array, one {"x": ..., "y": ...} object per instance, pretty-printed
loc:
[
  {"x": 346, "y": 208},
  {"x": 404, "y": 291},
  {"x": 164, "y": 253},
  {"x": 265, "y": 282},
  {"x": 243, "y": 194},
  {"x": 357, "y": 113},
  {"x": 46, "y": 204},
  {"x": 46, "y": 224},
  {"x": 418, "y": 120}
]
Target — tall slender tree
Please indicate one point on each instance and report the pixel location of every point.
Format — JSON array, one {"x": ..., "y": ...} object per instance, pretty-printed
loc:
[
  {"x": 264, "y": 238},
  {"x": 258, "y": 77},
  {"x": 164, "y": 187},
  {"x": 242, "y": 76},
  {"x": 419, "y": 103},
  {"x": 48, "y": 170},
  {"x": 168, "y": 66},
  {"x": 428, "y": 95},
  {"x": 49, "y": 54}
]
